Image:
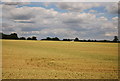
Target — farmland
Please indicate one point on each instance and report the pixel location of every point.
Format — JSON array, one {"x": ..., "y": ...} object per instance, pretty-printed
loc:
[{"x": 24, "y": 59}]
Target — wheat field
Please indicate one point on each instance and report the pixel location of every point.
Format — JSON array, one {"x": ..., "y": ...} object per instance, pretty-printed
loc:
[{"x": 27, "y": 59}]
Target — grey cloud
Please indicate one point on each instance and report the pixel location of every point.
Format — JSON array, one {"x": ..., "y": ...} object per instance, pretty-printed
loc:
[
  {"x": 12, "y": 3},
  {"x": 24, "y": 21},
  {"x": 76, "y": 6},
  {"x": 30, "y": 29},
  {"x": 71, "y": 21},
  {"x": 5, "y": 25},
  {"x": 47, "y": 22},
  {"x": 22, "y": 17},
  {"x": 113, "y": 8},
  {"x": 7, "y": 29},
  {"x": 15, "y": 3},
  {"x": 22, "y": 13}
]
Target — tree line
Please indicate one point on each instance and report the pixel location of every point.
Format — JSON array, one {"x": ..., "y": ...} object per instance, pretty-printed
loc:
[
  {"x": 115, "y": 39},
  {"x": 15, "y": 36}
]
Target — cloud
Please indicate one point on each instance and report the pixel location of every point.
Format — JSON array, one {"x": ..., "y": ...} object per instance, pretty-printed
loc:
[
  {"x": 111, "y": 34},
  {"x": 115, "y": 18},
  {"x": 92, "y": 11},
  {"x": 44, "y": 22},
  {"x": 22, "y": 13},
  {"x": 24, "y": 21},
  {"x": 10, "y": 0},
  {"x": 74, "y": 6},
  {"x": 103, "y": 18},
  {"x": 112, "y": 8},
  {"x": 29, "y": 29},
  {"x": 16, "y": 3}
]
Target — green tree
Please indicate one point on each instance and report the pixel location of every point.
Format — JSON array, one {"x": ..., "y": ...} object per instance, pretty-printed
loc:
[
  {"x": 115, "y": 39},
  {"x": 76, "y": 39}
]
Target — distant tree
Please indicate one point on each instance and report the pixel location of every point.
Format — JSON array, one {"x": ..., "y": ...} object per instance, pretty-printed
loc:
[
  {"x": 13, "y": 36},
  {"x": 67, "y": 40},
  {"x": 22, "y": 38},
  {"x": 56, "y": 39},
  {"x": 1, "y": 35},
  {"x": 34, "y": 38},
  {"x": 4, "y": 36},
  {"x": 92, "y": 40},
  {"x": 29, "y": 38},
  {"x": 43, "y": 39},
  {"x": 89, "y": 40},
  {"x": 76, "y": 39},
  {"x": 64, "y": 39},
  {"x": 48, "y": 38},
  {"x": 84, "y": 40},
  {"x": 104, "y": 40},
  {"x": 115, "y": 39}
]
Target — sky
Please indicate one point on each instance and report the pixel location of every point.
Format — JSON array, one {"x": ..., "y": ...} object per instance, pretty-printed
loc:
[{"x": 85, "y": 20}]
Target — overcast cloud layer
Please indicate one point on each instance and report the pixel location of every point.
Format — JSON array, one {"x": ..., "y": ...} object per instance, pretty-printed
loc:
[{"x": 63, "y": 20}]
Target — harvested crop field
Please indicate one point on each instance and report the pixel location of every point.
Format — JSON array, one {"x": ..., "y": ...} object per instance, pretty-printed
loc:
[{"x": 24, "y": 59}]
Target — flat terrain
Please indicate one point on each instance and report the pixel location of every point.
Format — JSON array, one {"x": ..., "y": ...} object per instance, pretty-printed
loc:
[{"x": 24, "y": 59}]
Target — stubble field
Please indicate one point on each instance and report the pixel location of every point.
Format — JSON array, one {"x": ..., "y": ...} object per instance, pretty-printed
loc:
[{"x": 23, "y": 59}]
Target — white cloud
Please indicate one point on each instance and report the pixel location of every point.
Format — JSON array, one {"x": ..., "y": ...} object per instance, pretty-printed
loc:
[
  {"x": 76, "y": 6},
  {"x": 115, "y": 18},
  {"x": 111, "y": 34},
  {"x": 92, "y": 11},
  {"x": 111, "y": 7},
  {"x": 48, "y": 22},
  {"x": 103, "y": 18}
]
